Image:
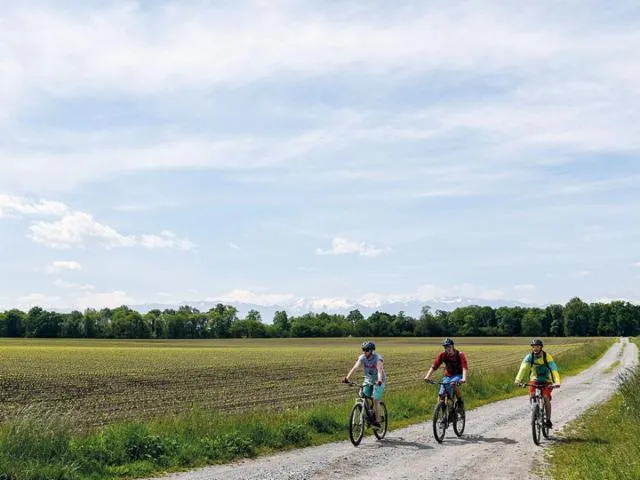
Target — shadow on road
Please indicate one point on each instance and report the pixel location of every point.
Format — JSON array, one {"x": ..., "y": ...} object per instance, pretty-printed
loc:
[
  {"x": 399, "y": 442},
  {"x": 482, "y": 439}
]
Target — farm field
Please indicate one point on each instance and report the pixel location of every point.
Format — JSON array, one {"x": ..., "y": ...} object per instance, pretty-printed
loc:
[{"x": 92, "y": 383}]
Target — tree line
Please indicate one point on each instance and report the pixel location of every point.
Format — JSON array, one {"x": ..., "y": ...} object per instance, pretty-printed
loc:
[{"x": 575, "y": 318}]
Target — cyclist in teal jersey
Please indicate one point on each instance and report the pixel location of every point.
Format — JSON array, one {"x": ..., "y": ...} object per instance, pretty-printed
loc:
[{"x": 374, "y": 375}]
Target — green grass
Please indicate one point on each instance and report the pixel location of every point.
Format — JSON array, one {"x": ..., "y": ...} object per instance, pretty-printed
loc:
[
  {"x": 34, "y": 445},
  {"x": 604, "y": 443}
]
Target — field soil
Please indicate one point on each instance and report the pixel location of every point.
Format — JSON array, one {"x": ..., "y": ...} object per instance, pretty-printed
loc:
[{"x": 496, "y": 444}]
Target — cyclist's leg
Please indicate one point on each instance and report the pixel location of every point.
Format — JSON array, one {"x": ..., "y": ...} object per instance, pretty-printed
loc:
[
  {"x": 546, "y": 394},
  {"x": 378, "y": 390},
  {"x": 456, "y": 388},
  {"x": 446, "y": 387}
]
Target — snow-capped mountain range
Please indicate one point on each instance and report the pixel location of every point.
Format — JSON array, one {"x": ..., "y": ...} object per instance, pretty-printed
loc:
[{"x": 301, "y": 306}]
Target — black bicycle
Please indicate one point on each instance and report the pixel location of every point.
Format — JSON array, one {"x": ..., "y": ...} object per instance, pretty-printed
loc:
[
  {"x": 448, "y": 411},
  {"x": 538, "y": 411},
  {"x": 363, "y": 415}
]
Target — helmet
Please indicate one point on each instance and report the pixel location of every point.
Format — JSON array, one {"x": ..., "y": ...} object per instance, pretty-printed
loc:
[
  {"x": 537, "y": 341},
  {"x": 368, "y": 345},
  {"x": 447, "y": 342}
]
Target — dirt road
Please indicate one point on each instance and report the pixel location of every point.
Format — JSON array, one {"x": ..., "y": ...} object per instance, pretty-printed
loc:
[{"x": 497, "y": 442}]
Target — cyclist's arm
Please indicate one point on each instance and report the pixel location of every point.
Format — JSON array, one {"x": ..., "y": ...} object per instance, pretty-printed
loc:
[
  {"x": 353, "y": 369},
  {"x": 524, "y": 368},
  {"x": 429, "y": 373},
  {"x": 379, "y": 367},
  {"x": 465, "y": 366}
]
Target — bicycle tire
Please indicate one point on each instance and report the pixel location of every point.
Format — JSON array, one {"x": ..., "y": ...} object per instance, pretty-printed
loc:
[
  {"x": 356, "y": 425},
  {"x": 439, "y": 421},
  {"x": 535, "y": 425},
  {"x": 382, "y": 431},
  {"x": 459, "y": 420},
  {"x": 543, "y": 421}
]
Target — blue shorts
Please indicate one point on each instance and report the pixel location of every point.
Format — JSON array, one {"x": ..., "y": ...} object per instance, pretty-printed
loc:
[
  {"x": 378, "y": 390},
  {"x": 447, "y": 384}
]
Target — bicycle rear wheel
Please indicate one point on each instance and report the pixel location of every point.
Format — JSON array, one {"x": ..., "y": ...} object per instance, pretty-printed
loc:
[
  {"x": 439, "y": 421},
  {"x": 382, "y": 430},
  {"x": 356, "y": 425},
  {"x": 535, "y": 423},
  {"x": 459, "y": 420}
]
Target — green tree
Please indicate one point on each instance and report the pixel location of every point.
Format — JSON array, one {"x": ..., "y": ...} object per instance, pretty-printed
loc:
[
  {"x": 282, "y": 324},
  {"x": 577, "y": 318},
  {"x": 532, "y": 322}
]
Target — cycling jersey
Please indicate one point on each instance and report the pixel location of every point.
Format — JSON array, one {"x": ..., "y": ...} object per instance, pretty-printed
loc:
[
  {"x": 370, "y": 369},
  {"x": 453, "y": 364},
  {"x": 539, "y": 372}
]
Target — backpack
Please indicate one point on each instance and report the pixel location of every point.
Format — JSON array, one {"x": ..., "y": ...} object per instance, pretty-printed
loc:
[{"x": 546, "y": 364}]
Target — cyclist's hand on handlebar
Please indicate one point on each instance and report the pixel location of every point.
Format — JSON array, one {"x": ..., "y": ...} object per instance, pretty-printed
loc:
[
  {"x": 345, "y": 380},
  {"x": 462, "y": 380},
  {"x": 378, "y": 382},
  {"x": 557, "y": 385}
]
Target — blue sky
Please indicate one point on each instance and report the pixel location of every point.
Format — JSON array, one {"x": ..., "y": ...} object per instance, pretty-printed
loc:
[{"x": 268, "y": 151}]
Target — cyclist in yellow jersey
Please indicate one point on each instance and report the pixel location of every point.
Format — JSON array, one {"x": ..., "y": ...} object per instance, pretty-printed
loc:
[{"x": 542, "y": 369}]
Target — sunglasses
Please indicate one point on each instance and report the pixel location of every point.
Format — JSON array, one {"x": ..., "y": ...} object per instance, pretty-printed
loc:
[{"x": 366, "y": 350}]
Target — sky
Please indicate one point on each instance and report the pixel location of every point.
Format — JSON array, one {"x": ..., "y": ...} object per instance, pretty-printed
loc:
[{"x": 272, "y": 151}]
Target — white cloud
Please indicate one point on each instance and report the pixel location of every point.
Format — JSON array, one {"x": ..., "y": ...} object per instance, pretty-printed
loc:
[
  {"x": 343, "y": 246},
  {"x": 76, "y": 227},
  {"x": 25, "y": 302},
  {"x": 99, "y": 300},
  {"x": 527, "y": 287},
  {"x": 166, "y": 239},
  {"x": 636, "y": 264},
  {"x": 246, "y": 296},
  {"x": 11, "y": 205},
  {"x": 586, "y": 273},
  {"x": 73, "y": 228},
  {"x": 63, "y": 266},
  {"x": 233, "y": 246}
]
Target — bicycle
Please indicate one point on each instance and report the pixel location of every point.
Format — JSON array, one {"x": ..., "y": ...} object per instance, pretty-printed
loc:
[
  {"x": 363, "y": 415},
  {"x": 538, "y": 411},
  {"x": 448, "y": 411}
]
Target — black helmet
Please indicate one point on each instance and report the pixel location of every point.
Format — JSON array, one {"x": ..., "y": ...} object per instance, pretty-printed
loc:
[
  {"x": 368, "y": 345},
  {"x": 537, "y": 341},
  {"x": 447, "y": 342}
]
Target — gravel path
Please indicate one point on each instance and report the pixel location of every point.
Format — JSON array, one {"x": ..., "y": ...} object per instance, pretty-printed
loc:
[{"x": 497, "y": 442}]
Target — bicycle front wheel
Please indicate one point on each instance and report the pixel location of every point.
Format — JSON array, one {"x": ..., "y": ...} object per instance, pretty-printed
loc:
[
  {"x": 356, "y": 425},
  {"x": 459, "y": 420},
  {"x": 382, "y": 430},
  {"x": 543, "y": 421},
  {"x": 535, "y": 423},
  {"x": 439, "y": 421}
]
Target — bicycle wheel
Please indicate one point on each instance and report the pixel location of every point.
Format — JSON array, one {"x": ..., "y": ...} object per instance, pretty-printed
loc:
[
  {"x": 460, "y": 420},
  {"x": 543, "y": 421},
  {"x": 439, "y": 421},
  {"x": 535, "y": 423},
  {"x": 382, "y": 431},
  {"x": 356, "y": 425}
]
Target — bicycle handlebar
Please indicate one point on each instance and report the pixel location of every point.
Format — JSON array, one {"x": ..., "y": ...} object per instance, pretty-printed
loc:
[
  {"x": 540, "y": 385},
  {"x": 443, "y": 383}
]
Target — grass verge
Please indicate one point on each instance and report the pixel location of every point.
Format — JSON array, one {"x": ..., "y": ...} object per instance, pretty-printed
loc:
[{"x": 604, "y": 443}]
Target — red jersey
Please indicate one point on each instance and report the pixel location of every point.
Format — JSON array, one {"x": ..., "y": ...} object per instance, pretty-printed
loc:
[{"x": 453, "y": 364}]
